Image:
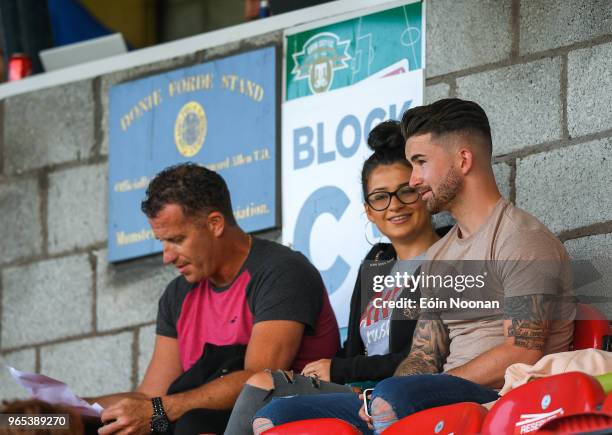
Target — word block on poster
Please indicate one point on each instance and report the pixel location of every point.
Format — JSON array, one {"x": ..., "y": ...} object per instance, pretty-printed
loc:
[
  {"x": 220, "y": 114},
  {"x": 323, "y": 149},
  {"x": 344, "y": 53}
]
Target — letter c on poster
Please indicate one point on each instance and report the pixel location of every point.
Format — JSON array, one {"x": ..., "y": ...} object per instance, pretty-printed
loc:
[{"x": 327, "y": 199}]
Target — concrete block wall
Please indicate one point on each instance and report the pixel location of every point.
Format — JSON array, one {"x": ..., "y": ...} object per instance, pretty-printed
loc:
[
  {"x": 544, "y": 80},
  {"x": 64, "y": 310},
  {"x": 540, "y": 68}
]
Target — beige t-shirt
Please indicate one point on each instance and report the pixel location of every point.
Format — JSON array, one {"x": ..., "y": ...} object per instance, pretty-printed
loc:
[{"x": 523, "y": 258}]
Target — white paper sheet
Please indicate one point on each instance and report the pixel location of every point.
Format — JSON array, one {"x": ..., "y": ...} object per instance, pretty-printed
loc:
[{"x": 53, "y": 391}]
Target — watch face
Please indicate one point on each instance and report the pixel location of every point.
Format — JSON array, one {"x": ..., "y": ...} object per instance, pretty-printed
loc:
[{"x": 159, "y": 423}]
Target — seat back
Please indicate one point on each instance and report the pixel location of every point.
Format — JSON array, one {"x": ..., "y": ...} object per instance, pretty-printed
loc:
[
  {"x": 316, "y": 426},
  {"x": 528, "y": 407},
  {"x": 590, "y": 327},
  {"x": 459, "y": 418},
  {"x": 607, "y": 405},
  {"x": 579, "y": 423}
]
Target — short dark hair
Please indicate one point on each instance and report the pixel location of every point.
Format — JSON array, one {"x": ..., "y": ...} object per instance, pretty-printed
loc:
[
  {"x": 387, "y": 142},
  {"x": 450, "y": 115},
  {"x": 193, "y": 187}
]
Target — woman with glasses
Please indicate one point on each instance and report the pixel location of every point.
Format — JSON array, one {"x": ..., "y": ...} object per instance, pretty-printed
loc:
[{"x": 378, "y": 339}]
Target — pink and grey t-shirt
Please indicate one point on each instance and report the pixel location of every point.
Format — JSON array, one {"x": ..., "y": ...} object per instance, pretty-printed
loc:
[{"x": 274, "y": 283}]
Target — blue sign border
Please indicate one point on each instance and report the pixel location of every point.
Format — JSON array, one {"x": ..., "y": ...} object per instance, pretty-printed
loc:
[{"x": 221, "y": 114}]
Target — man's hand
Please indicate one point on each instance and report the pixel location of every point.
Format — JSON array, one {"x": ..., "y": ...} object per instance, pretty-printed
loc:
[
  {"x": 320, "y": 369},
  {"x": 131, "y": 415},
  {"x": 363, "y": 415},
  {"x": 273, "y": 344}
]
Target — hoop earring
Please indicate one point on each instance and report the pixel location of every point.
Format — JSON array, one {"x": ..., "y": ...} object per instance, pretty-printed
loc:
[{"x": 365, "y": 234}]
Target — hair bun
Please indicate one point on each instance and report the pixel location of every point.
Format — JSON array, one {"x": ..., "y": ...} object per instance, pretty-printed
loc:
[{"x": 386, "y": 137}]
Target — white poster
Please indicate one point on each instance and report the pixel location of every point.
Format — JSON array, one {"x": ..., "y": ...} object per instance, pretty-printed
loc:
[{"x": 324, "y": 145}]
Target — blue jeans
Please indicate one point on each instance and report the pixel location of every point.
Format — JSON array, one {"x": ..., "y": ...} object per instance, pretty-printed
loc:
[
  {"x": 344, "y": 406},
  {"x": 406, "y": 395}
]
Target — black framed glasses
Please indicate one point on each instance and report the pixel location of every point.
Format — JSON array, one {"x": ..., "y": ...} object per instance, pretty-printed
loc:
[{"x": 381, "y": 200}]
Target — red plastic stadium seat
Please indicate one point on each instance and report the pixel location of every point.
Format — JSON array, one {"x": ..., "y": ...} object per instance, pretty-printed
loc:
[
  {"x": 580, "y": 423},
  {"x": 600, "y": 422},
  {"x": 528, "y": 407},
  {"x": 607, "y": 405},
  {"x": 460, "y": 418},
  {"x": 317, "y": 426},
  {"x": 590, "y": 327}
]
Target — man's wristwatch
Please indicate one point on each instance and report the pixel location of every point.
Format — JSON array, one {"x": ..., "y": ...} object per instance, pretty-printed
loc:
[{"x": 159, "y": 419}]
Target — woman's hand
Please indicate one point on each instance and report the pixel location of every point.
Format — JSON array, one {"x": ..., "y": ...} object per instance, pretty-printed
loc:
[
  {"x": 364, "y": 416},
  {"x": 320, "y": 369}
]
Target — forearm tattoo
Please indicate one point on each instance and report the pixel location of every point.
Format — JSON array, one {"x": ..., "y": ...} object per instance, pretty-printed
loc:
[
  {"x": 530, "y": 316},
  {"x": 430, "y": 345}
]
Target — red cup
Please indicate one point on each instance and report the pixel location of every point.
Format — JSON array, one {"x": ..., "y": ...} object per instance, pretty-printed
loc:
[{"x": 20, "y": 66}]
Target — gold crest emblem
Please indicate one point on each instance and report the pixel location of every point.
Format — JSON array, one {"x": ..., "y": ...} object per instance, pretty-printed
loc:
[
  {"x": 190, "y": 129},
  {"x": 321, "y": 75},
  {"x": 321, "y": 55}
]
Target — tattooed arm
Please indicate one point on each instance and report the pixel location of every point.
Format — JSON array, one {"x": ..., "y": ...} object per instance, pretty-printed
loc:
[
  {"x": 528, "y": 320},
  {"x": 526, "y": 328},
  {"x": 429, "y": 347}
]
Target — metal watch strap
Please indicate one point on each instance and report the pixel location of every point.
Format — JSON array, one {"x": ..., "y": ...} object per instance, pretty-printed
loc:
[
  {"x": 158, "y": 407},
  {"x": 159, "y": 419}
]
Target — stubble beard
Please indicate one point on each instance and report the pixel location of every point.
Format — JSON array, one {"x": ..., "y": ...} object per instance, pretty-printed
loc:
[{"x": 447, "y": 191}]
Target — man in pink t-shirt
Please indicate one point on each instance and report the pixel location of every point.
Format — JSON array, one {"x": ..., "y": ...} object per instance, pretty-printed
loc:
[{"x": 248, "y": 298}]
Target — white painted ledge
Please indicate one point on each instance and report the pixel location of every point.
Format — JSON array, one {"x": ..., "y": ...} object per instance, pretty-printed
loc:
[{"x": 324, "y": 13}]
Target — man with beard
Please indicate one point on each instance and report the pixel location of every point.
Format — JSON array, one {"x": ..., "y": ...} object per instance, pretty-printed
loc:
[{"x": 462, "y": 356}]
